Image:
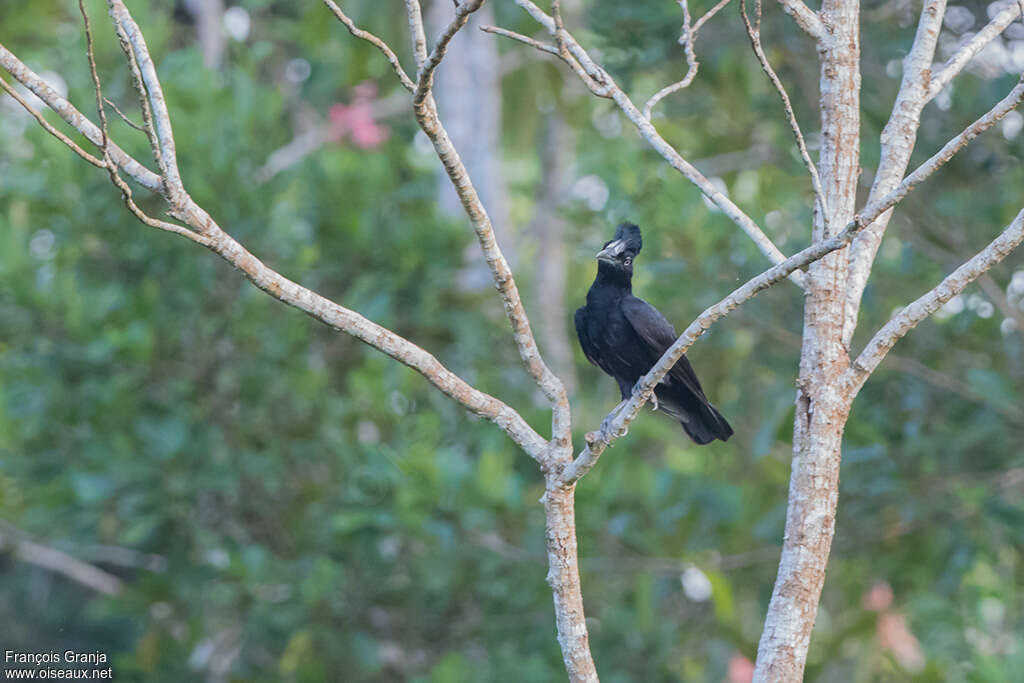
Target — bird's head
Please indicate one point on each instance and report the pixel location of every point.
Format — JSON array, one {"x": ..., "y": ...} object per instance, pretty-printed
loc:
[{"x": 618, "y": 254}]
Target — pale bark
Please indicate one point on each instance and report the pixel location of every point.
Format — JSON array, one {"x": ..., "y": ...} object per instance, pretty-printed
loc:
[
  {"x": 564, "y": 579},
  {"x": 805, "y": 17},
  {"x": 897, "y": 144},
  {"x": 821, "y": 406}
]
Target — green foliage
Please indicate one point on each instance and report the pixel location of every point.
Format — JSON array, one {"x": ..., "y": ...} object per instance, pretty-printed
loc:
[{"x": 324, "y": 514}]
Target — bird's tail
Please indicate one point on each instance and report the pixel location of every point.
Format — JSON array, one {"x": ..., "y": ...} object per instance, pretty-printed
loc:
[{"x": 706, "y": 424}]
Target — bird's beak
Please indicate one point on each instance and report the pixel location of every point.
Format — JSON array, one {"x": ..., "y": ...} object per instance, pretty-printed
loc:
[{"x": 611, "y": 252}]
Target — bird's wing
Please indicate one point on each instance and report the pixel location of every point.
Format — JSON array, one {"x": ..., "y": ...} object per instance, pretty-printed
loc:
[
  {"x": 658, "y": 334},
  {"x": 580, "y": 319}
]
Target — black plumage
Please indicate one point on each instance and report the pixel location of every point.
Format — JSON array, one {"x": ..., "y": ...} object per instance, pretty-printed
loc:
[{"x": 625, "y": 336}]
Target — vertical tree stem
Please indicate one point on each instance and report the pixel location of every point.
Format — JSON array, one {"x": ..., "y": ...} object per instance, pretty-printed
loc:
[
  {"x": 564, "y": 579},
  {"x": 822, "y": 405}
]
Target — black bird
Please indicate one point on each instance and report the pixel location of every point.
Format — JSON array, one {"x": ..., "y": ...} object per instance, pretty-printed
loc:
[{"x": 625, "y": 336}]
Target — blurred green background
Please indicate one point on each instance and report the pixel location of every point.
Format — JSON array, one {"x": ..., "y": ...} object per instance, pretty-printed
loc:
[{"x": 286, "y": 504}]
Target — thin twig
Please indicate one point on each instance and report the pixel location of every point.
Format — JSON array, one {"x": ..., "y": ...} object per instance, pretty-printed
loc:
[
  {"x": 706, "y": 16},
  {"x": 754, "y": 33},
  {"x": 48, "y": 128},
  {"x": 687, "y": 39},
  {"x": 108, "y": 164},
  {"x": 597, "y": 88},
  {"x": 526, "y": 40},
  {"x": 389, "y": 54},
  {"x": 67, "y": 111},
  {"x": 941, "y": 76},
  {"x": 161, "y": 120},
  {"x": 426, "y": 75},
  {"x": 124, "y": 117}
]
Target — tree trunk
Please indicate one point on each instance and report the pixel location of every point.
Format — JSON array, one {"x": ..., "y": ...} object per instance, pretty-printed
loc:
[
  {"x": 821, "y": 404},
  {"x": 564, "y": 579}
]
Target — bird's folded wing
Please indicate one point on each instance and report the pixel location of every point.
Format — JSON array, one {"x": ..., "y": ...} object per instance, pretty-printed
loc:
[{"x": 658, "y": 334}]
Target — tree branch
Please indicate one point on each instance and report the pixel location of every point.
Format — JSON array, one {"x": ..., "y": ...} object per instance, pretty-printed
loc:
[
  {"x": 687, "y": 39},
  {"x": 754, "y": 33},
  {"x": 283, "y": 289},
  {"x": 59, "y": 562},
  {"x": 942, "y": 76},
  {"x": 388, "y": 53},
  {"x": 897, "y": 144},
  {"x": 908, "y": 318},
  {"x": 45, "y": 92},
  {"x": 417, "y": 34},
  {"x": 939, "y": 159},
  {"x": 805, "y": 18},
  {"x": 50, "y": 129},
  {"x": 602, "y": 79},
  {"x": 426, "y": 75},
  {"x": 161, "y": 120}
]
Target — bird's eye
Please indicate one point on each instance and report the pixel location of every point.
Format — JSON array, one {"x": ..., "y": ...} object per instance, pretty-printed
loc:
[{"x": 628, "y": 260}]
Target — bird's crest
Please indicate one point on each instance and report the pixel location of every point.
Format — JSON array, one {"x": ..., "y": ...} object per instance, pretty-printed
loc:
[{"x": 630, "y": 235}]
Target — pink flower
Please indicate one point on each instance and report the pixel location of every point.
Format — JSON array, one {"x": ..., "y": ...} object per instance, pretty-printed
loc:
[
  {"x": 356, "y": 120},
  {"x": 741, "y": 669}
]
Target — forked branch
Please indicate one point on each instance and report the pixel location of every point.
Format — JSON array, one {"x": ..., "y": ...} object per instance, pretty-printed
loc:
[
  {"x": 610, "y": 89},
  {"x": 908, "y": 318}
]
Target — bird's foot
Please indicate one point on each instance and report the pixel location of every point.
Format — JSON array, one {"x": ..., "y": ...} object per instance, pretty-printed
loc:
[
  {"x": 653, "y": 399},
  {"x": 606, "y": 424}
]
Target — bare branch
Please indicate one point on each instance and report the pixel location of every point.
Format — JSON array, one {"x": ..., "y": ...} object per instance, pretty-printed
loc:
[
  {"x": 897, "y": 144},
  {"x": 908, "y": 318},
  {"x": 124, "y": 116},
  {"x": 108, "y": 164},
  {"x": 419, "y": 36},
  {"x": 526, "y": 40},
  {"x": 688, "y": 38},
  {"x": 77, "y": 120},
  {"x": 50, "y": 129},
  {"x": 596, "y": 88},
  {"x": 955, "y": 64},
  {"x": 806, "y": 18},
  {"x": 707, "y": 15},
  {"x": 549, "y": 384},
  {"x": 168, "y": 157},
  {"x": 426, "y": 75},
  {"x": 389, "y": 54},
  {"x": 940, "y": 158},
  {"x": 140, "y": 92},
  {"x": 650, "y": 134},
  {"x": 754, "y": 33},
  {"x": 59, "y": 562}
]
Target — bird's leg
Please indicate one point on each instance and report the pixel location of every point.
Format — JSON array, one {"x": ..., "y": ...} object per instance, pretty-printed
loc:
[{"x": 606, "y": 424}]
